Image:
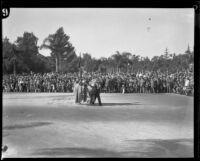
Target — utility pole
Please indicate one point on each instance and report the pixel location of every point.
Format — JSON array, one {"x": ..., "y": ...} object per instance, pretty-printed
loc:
[
  {"x": 14, "y": 66},
  {"x": 80, "y": 70}
]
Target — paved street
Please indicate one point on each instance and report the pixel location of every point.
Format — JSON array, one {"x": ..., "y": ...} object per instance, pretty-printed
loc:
[{"x": 127, "y": 125}]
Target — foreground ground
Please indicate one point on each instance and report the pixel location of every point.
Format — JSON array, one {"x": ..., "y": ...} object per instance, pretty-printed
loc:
[{"x": 129, "y": 125}]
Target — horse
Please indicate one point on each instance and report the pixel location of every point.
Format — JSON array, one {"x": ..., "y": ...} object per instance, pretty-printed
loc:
[{"x": 91, "y": 90}]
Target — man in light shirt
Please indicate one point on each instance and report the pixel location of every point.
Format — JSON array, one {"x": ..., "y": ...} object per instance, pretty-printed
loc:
[
  {"x": 187, "y": 82},
  {"x": 186, "y": 85}
]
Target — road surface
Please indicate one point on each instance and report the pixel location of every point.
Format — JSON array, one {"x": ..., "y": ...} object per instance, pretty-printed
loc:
[{"x": 50, "y": 125}]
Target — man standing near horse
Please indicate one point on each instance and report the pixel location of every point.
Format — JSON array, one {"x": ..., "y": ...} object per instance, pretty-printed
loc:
[
  {"x": 77, "y": 91},
  {"x": 96, "y": 92},
  {"x": 83, "y": 89}
]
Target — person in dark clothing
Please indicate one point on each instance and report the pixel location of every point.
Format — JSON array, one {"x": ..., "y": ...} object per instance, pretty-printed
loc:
[
  {"x": 76, "y": 91},
  {"x": 85, "y": 91},
  {"x": 152, "y": 86},
  {"x": 97, "y": 93}
]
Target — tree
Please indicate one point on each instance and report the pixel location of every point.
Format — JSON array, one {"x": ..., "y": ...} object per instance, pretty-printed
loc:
[
  {"x": 126, "y": 55},
  {"x": 166, "y": 55},
  {"x": 126, "y": 61},
  {"x": 72, "y": 66},
  {"x": 117, "y": 59},
  {"x": 59, "y": 45},
  {"x": 8, "y": 55},
  {"x": 28, "y": 44},
  {"x": 134, "y": 62},
  {"x": 67, "y": 61},
  {"x": 27, "y": 48},
  {"x": 23, "y": 55},
  {"x": 188, "y": 51},
  {"x": 87, "y": 62},
  {"x": 12, "y": 60}
]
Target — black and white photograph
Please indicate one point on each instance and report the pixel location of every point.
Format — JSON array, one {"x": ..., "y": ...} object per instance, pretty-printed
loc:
[{"x": 98, "y": 83}]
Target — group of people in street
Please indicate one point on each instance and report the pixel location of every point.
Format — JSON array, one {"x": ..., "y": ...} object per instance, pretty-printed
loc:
[
  {"x": 181, "y": 82},
  {"x": 87, "y": 92}
]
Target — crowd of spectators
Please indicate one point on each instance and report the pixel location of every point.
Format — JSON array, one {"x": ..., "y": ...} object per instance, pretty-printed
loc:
[
  {"x": 181, "y": 82},
  {"x": 151, "y": 82},
  {"x": 48, "y": 82}
]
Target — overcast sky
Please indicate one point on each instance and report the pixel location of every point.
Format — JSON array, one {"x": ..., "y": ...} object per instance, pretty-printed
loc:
[{"x": 103, "y": 31}]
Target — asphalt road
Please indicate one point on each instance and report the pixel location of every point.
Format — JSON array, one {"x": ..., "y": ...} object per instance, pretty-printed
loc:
[{"x": 127, "y": 125}]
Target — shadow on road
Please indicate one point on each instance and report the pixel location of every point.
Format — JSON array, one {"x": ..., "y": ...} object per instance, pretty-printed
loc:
[
  {"x": 75, "y": 152},
  {"x": 159, "y": 148},
  {"x": 25, "y": 125},
  {"x": 121, "y": 104},
  {"x": 149, "y": 148}
]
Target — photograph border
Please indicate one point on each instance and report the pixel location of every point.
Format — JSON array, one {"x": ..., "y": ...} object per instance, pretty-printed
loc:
[{"x": 195, "y": 4}]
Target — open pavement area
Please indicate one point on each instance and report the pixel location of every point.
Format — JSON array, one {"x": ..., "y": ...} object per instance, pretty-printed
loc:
[{"x": 127, "y": 125}]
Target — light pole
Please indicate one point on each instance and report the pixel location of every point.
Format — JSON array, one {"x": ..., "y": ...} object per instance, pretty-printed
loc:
[
  {"x": 80, "y": 70},
  {"x": 14, "y": 66}
]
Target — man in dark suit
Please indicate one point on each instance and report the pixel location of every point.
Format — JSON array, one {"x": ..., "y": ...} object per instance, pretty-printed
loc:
[
  {"x": 91, "y": 91},
  {"x": 97, "y": 88}
]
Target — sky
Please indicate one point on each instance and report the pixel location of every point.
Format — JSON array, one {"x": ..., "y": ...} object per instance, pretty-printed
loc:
[{"x": 103, "y": 31}]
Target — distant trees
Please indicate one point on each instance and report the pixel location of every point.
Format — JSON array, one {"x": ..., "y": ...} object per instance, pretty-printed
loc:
[
  {"x": 87, "y": 62},
  {"x": 127, "y": 62},
  {"x": 23, "y": 56}
]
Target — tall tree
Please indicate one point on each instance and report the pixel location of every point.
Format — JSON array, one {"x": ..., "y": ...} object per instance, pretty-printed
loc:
[
  {"x": 8, "y": 56},
  {"x": 59, "y": 45},
  {"x": 26, "y": 46},
  {"x": 188, "y": 51},
  {"x": 166, "y": 55},
  {"x": 87, "y": 62},
  {"x": 12, "y": 60}
]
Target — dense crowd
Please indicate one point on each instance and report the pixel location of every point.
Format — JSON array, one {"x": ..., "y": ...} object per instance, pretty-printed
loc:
[{"x": 181, "y": 82}]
